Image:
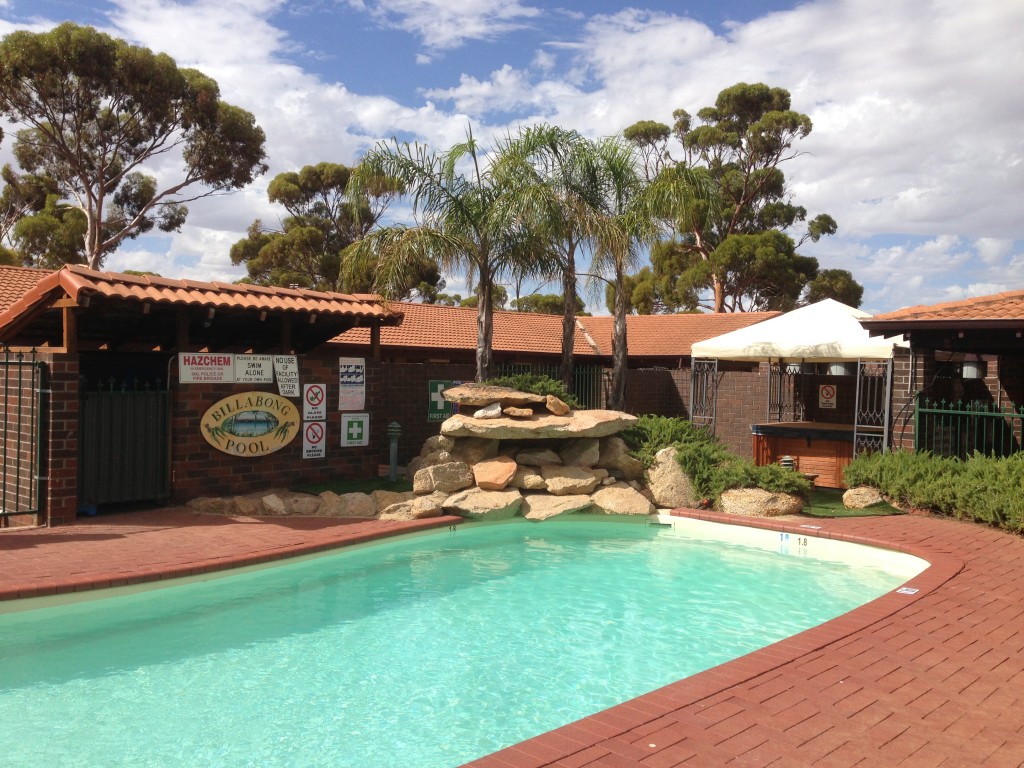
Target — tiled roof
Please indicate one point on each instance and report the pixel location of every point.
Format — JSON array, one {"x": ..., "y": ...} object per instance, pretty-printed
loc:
[
  {"x": 668, "y": 335},
  {"x": 430, "y": 326},
  {"x": 79, "y": 282},
  {"x": 15, "y": 282},
  {"x": 998, "y": 306}
]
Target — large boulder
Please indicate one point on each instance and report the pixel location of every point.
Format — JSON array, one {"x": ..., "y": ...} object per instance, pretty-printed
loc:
[
  {"x": 670, "y": 486},
  {"x": 580, "y": 452},
  {"x": 862, "y": 497},
  {"x": 596, "y": 423},
  {"x": 529, "y": 479},
  {"x": 614, "y": 456},
  {"x": 541, "y": 506},
  {"x": 215, "y": 505},
  {"x": 479, "y": 504},
  {"x": 494, "y": 474},
  {"x": 621, "y": 499},
  {"x": 484, "y": 394},
  {"x": 431, "y": 459},
  {"x": 565, "y": 481},
  {"x": 757, "y": 502},
  {"x": 447, "y": 478},
  {"x": 384, "y": 499},
  {"x": 436, "y": 443},
  {"x": 297, "y": 504}
]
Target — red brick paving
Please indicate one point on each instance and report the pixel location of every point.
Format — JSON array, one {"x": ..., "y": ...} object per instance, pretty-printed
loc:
[{"x": 917, "y": 681}]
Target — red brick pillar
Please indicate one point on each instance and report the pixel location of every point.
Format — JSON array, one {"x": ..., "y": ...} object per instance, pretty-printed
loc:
[{"x": 61, "y": 489}]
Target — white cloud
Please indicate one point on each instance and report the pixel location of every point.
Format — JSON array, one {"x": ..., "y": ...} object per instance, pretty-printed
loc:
[{"x": 443, "y": 24}]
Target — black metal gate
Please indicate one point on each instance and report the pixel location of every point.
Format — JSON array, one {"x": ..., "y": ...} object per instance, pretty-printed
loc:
[
  {"x": 874, "y": 395},
  {"x": 704, "y": 393},
  {"x": 124, "y": 445},
  {"x": 22, "y": 411}
]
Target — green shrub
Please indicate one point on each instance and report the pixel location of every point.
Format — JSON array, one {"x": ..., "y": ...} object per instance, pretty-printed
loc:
[
  {"x": 651, "y": 433},
  {"x": 981, "y": 488},
  {"x": 535, "y": 384}
]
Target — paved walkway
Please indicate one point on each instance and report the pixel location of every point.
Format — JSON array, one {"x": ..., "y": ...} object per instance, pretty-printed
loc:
[{"x": 935, "y": 678}]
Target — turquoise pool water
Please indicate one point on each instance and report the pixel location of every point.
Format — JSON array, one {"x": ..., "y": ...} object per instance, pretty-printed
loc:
[{"x": 422, "y": 652}]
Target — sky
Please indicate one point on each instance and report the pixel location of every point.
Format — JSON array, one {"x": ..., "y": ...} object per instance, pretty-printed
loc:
[{"x": 917, "y": 149}]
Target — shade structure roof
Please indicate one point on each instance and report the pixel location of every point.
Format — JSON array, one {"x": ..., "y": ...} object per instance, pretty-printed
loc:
[{"x": 826, "y": 332}]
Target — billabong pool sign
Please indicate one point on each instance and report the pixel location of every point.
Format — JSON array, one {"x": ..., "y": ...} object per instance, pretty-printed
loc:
[{"x": 251, "y": 423}]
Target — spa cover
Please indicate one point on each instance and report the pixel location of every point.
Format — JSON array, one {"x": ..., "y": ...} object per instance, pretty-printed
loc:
[{"x": 827, "y": 332}]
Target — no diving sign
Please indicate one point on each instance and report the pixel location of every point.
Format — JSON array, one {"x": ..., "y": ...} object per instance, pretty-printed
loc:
[
  {"x": 314, "y": 440},
  {"x": 827, "y": 396}
]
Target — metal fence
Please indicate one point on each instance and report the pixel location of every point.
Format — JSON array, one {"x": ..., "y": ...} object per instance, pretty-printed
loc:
[
  {"x": 21, "y": 434},
  {"x": 590, "y": 383},
  {"x": 947, "y": 428}
]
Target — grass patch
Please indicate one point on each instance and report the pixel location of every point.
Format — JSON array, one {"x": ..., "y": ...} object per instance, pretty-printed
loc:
[
  {"x": 828, "y": 502},
  {"x": 356, "y": 485}
]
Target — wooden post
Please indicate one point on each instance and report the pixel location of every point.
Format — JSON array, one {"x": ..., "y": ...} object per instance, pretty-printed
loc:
[{"x": 375, "y": 342}]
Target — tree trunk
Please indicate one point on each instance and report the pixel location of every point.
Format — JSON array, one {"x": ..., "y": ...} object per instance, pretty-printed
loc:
[
  {"x": 568, "y": 321},
  {"x": 620, "y": 350},
  {"x": 484, "y": 326}
]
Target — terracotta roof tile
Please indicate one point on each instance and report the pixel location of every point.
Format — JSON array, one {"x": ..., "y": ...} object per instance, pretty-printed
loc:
[
  {"x": 15, "y": 282},
  {"x": 431, "y": 326},
  {"x": 668, "y": 335},
  {"x": 998, "y": 306},
  {"x": 79, "y": 282}
]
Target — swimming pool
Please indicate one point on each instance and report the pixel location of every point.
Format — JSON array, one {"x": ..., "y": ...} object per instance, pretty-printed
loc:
[{"x": 426, "y": 651}]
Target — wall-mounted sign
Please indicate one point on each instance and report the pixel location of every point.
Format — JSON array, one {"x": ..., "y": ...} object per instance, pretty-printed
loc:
[
  {"x": 438, "y": 409},
  {"x": 286, "y": 371},
  {"x": 314, "y": 402},
  {"x": 254, "y": 369},
  {"x": 314, "y": 439},
  {"x": 351, "y": 383},
  {"x": 355, "y": 429},
  {"x": 201, "y": 367},
  {"x": 827, "y": 396},
  {"x": 250, "y": 423}
]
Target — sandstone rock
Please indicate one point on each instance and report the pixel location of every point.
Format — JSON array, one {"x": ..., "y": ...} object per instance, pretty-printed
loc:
[
  {"x": 517, "y": 413},
  {"x": 756, "y": 502},
  {"x": 609, "y": 481},
  {"x": 596, "y": 423},
  {"x": 556, "y": 406},
  {"x": 431, "y": 459},
  {"x": 564, "y": 481},
  {"x": 670, "y": 486},
  {"x": 436, "y": 443},
  {"x": 347, "y": 505},
  {"x": 249, "y": 506},
  {"x": 537, "y": 457},
  {"x": 580, "y": 452},
  {"x": 494, "y": 474},
  {"x": 615, "y": 458},
  {"x": 293, "y": 503},
  {"x": 528, "y": 479},
  {"x": 862, "y": 497},
  {"x": 541, "y": 506},
  {"x": 479, "y": 504},
  {"x": 473, "y": 449},
  {"x": 414, "y": 509},
  {"x": 492, "y": 411},
  {"x": 448, "y": 478},
  {"x": 482, "y": 394},
  {"x": 212, "y": 505},
  {"x": 384, "y": 499},
  {"x": 620, "y": 499}
]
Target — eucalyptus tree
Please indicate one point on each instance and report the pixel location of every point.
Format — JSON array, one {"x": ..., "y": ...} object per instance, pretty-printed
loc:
[
  {"x": 93, "y": 113},
  {"x": 460, "y": 222}
]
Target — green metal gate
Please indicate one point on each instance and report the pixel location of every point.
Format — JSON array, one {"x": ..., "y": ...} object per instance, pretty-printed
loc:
[
  {"x": 22, "y": 433},
  {"x": 124, "y": 445}
]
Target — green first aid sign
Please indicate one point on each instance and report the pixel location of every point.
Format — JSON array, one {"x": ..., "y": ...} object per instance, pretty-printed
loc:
[
  {"x": 438, "y": 409},
  {"x": 355, "y": 429}
]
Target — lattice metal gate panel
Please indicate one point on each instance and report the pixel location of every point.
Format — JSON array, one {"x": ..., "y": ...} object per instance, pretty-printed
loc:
[
  {"x": 704, "y": 393},
  {"x": 22, "y": 412},
  {"x": 785, "y": 392},
  {"x": 874, "y": 396}
]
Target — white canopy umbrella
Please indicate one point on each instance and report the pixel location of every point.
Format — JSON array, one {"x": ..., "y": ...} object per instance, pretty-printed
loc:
[{"x": 826, "y": 332}]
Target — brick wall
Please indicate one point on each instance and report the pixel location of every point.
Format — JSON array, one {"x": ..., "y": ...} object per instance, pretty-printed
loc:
[{"x": 61, "y": 487}]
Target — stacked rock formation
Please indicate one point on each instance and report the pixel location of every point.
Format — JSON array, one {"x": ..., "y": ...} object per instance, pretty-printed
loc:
[{"x": 516, "y": 453}]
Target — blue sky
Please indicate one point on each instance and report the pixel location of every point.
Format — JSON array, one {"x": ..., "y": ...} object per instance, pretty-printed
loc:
[{"x": 917, "y": 149}]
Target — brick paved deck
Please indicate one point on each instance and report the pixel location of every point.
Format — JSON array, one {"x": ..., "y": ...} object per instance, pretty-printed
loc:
[{"x": 930, "y": 679}]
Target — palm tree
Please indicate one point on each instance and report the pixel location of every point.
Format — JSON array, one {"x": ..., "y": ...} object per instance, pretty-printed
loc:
[{"x": 459, "y": 223}]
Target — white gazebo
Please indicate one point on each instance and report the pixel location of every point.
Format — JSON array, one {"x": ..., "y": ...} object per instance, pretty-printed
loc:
[{"x": 813, "y": 416}]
